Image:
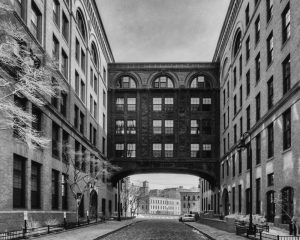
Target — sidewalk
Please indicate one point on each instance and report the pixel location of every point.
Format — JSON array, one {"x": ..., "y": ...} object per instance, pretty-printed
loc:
[
  {"x": 214, "y": 233},
  {"x": 90, "y": 232}
]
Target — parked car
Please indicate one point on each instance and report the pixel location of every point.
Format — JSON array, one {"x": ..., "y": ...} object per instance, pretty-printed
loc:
[{"x": 187, "y": 218}]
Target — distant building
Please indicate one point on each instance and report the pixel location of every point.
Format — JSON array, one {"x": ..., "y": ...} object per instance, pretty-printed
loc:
[
  {"x": 160, "y": 205},
  {"x": 190, "y": 202}
]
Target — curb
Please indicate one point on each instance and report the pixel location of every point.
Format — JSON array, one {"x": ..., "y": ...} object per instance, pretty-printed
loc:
[
  {"x": 205, "y": 234},
  {"x": 116, "y": 230}
]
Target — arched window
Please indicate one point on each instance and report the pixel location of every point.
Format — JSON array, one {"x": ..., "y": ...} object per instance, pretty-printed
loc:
[
  {"x": 163, "y": 82},
  {"x": 126, "y": 82},
  {"x": 94, "y": 54},
  {"x": 287, "y": 204},
  {"x": 81, "y": 24},
  {"x": 200, "y": 82},
  {"x": 237, "y": 42}
]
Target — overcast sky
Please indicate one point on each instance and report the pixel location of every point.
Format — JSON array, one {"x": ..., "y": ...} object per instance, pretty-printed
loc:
[
  {"x": 159, "y": 31},
  {"x": 163, "y": 30}
]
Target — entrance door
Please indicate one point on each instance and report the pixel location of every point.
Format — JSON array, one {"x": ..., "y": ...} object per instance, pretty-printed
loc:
[
  {"x": 93, "y": 204},
  {"x": 270, "y": 206},
  {"x": 103, "y": 206}
]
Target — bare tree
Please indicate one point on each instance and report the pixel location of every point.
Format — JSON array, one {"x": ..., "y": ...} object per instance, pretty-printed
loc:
[{"x": 26, "y": 73}]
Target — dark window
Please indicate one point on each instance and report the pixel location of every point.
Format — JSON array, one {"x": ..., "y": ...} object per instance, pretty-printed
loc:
[
  {"x": 270, "y": 179},
  {"x": 55, "y": 50},
  {"x": 270, "y": 93},
  {"x": 163, "y": 82},
  {"x": 64, "y": 191},
  {"x": 65, "y": 147},
  {"x": 227, "y": 168},
  {"x": 76, "y": 116},
  {"x": 19, "y": 182},
  {"x": 77, "y": 83},
  {"x": 241, "y": 65},
  {"x": 77, "y": 51},
  {"x": 95, "y": 110},
  {"x": 258, "y": 198},
  {"x": 77, "y": 154},
  {"x": 258, "y": 148},
  {"x": 248, "y": 48},
  {"x": 270, "y": 140},
  {"x": 247, "y": 14},
  {"x": 234, "y": 105},
  {"x": 83, "y": 159},
  {"x": 169, "y": 147},
  {"x": 81, "y": 24},
  {"x": 120, "y": 150},
  {"x": 234, "y": 134},
  {"x": 241, "y": 126},
  {"x": 233, "y": 165},
  {"x": 63, "y": 104},
  {"x": 269, "y": 9},
  {"x": 81, "y": 126},
  {"x": 206, "y": 150},
  {"x": 20, "y": 6},
  {"x": 55, "y": 140},
  {"x": 35, "y": 185},
  {"x": 223, "y": 172},
  {"x": 206, "y": 104},
  {"x": 234, "y": 77},
  {"x": 270, "y": 206},
  {"x": 248, "y": 118},
  {"x": 206, "y": 126},
  {"x": 240, "y": 161},
  {"x": 248, "y": 82},
  {"x": 257, "y": 29},
  {"x": 286, "y": 26},
  {"x": 37, "y": 114},
  {"x": 287, "y": 200},
  {"x": 233, "y": 199},
  {"x": 286, "y": 129},
  {"x": 241, "y": 95},
  {"x": 56, "y": 12},
  {"x": 65, "y": 26},
  {"x": 240, "y": 198},
  {"x": 82, "y": 60},
  {"x": 257, "y": 102},
  {"x": 237, "y": 43},
  {"x": 249, "y": 156},
  {"x": 195, "y": 150},
  {"x": 195, "y": 104},
  {"x": 36, "y": 22},
  {"x": 270, "y": 48},
  {"x": 94, "y": 54},
  {"x": 96, "y": 88},
  {"x": 82, "y": 91},
  {"x": 64, "y": 64},
  {"x": 248, "y": 201},
  {"x": 94, "y": 137},
  {"x": 55, "y": 189},
  {"x": 224, "y": 97},
  {"x": 286, "y": 72},
  {"x": 257, "y": 67}
]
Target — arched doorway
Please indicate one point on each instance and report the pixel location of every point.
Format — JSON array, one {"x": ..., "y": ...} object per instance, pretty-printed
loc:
[
  {"x": 270, "y": 206},
  {"x": 225, "y": 202},
  {"x": 93, "y": 204},
  {"x": 287, "y": 204}
]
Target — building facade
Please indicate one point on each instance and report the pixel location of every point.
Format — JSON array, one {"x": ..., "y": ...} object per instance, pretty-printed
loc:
[
  {"x": 160, "y": 206},
  {"x": 190, "y": 202},
  {"x": 259, "y": 94},
  {"x": 209, "y": 199},
  {"x": 35, "y": 180}
]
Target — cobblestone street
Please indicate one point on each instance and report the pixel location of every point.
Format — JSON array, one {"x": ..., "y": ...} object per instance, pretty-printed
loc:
[{"x": 158, "y": 230}]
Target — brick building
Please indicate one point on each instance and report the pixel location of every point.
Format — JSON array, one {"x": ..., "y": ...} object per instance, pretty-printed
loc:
[
  {"x": 258, "y": 51},
  {"x": 34, "y": 181},
  {"x": 190, "y": 202}
]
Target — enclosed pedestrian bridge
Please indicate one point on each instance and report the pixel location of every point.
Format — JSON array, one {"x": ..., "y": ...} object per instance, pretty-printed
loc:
[{"x": 164, "y": 118}]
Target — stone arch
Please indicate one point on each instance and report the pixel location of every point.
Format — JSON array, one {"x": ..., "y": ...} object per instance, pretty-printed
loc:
[
  {"x": 79, "y": 5},
  {"x": 133, "y": 75},
  {"x": 238, "y": 29},
  {"x": 171, "y": 75},
  {"x": 192, "y": 75}
]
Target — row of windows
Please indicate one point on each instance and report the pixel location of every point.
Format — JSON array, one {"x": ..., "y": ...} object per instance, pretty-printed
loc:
[
  {"x": 163, "y": 202},
  {"x": 157, "y": 150},
  {"x": 200, "y": 81}
]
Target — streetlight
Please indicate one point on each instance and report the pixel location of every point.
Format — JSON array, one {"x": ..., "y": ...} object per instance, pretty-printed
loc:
[{"x": 243, "y": 145}]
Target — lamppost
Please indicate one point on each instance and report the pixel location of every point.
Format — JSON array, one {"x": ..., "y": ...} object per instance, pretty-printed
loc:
[{"x": 243, "y": 145}]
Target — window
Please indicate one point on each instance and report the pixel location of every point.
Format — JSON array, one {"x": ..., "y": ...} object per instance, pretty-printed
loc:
[
  {"x": 257, "y": 101},
  {"x": 195, "y": 104},
  {"x": 234, "y": 77},
  {"x": 257, "y": 67},
  {"x": 195, "y": 150},
  {"x": 270, "y": 179},
  {"x": 270, "y": 93},
  {"x": 258, "y": 198},
  {"x": 131, "y": 150},
  {"x": 257, "y": 29},
  {"x": 120, "y": 150},
  {"x": 81, "y": 24},
  {"x": 156, "y": 150},
  {"x": 157, "y": 124},
  {"x": 240, "y": 161},
  {"x": 169, "y": 150},
  {"x": 270, "y": 206},
  {"x": 269, "y": 10},
  {"x": 64, "y": 64},
  {"x": 195, "y": 128},
  {"x": 82, "y": 60},
  {"x": 248, "y": 118},
  {"x": 120, "y": 127},
  {"x": 169, "y": 104},
  {"x": 286, "y": 129},
  {"x": 77, "y": 154},
  {"x": 157, "y": 104},
  {"x": 223, "y": 170},
  {"x": 104, "y": 76},
  {"x": 131, "y": 104},
  {"x": 241, "y": 65},
  {"x": 287, "y": 211},
  {"x": 233, "y": 165},
  {"x": 240, "y": 198},
  {"x": 94, "y": 136},
  {"x": 247, "y": 14},
  {"x": 238, "y": 42},
  {"x": 63, "y": 103},
  {"x": 233, "y": 199},
  {"x": 77, "y": 83},
  {"x": 36, "y": 22},
  {"x": 286, "y": 72},
  {"x": 224, "y": 98},
  {"x": 248, "y": 48},
  {"x": 91, "y": 104},
  {"x": 248, "y": 200},
  {"x": 55, "y": 140},
  {"x": 169, "y": 125},
  {"x": 206, "y": 126},
  {"x": 206, "y": 104},
  {"x": 228, "y": 89},
  {"x": 64, "y": 191},
  {"x": 82, "y": 91},
  {"x": 77, "y": 53},
  {"x": 81, "y": 126},
  {"x": 91, "y": 76},
  {"x": 120, "y": 104},
  {"x": 55, "y": 50},
  {"x": 241, "y": 126},
  {"x": 37, "y": 114},
  {"x": 200, "y": 82},
  {"x": 206, "y": 150},
  {"x": 286, "y": 27},
  {"x": 56, "y": 13},
  {"x": 258, "y": 149},
  {"x": 76, "y": 112},
  {"x": 131, "y": 127},
  {"x": 94, "y": 54},
  {"x": 270, "y": 140},
  {"x": 95, "y": 110},
  {"x": 20, "y": 6},
  {"x": 55, "y": 187},
  {"x": 234, "y": 105},
  {"x": 241, "y": 95},
  {"x": 96, "y": 88},
  {"x": 35, "y": 185},
  {"x": 104, "y": 121},
  {"x": 19, "y": 182},
  {"x": 249, "y": 156},
  {"x": 270, "y": 46},
  {"x": 65, "y": 27},
  {"x": 163, "y": 82},
  {"x": 248, "y": 82},
  {"x": 126, "y": 82},
  {"x": 234, "y": 136}
]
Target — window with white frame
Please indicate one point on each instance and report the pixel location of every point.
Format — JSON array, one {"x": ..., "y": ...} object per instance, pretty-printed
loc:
[
  {"x": 169, "y": 103},
  {"x": 194, "y": 150},
  {"x": 195, "y": 104},
  {"x": 157, "y": 104},
  {"x": 156, "y": 150},
  {"x": 157, "y": 124},
  {"x": 131, "y": 127},
  {"x": 120, "y": 127},
  {"x": 131, "y": 104},
  {"x": 169, "y": 150},
  {"x": 206, "y": 104},
  {"x": 131, "y": 150},
  {"x": 120, "y": 104},
  {"x": 119, "y": 150},
  {"x": 195, "y": 129},
  {"x": 169, "y": 126}
]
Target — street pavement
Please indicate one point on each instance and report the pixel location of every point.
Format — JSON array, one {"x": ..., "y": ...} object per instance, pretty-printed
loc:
[{"x": 157, "y": 229}]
